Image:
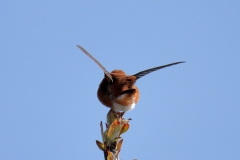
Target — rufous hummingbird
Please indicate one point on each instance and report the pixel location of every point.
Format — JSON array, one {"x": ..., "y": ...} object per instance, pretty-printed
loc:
[{"x": 118, "y": 90}]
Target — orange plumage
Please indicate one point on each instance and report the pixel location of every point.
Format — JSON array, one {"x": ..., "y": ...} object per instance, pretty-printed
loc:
[
  {"x": 121, "y": 91},
  {"x": 118, "y": 90}
]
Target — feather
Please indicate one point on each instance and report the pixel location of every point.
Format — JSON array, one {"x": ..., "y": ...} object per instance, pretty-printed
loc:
[
  {"x": 98, "y": 63},
  {"x": 145, "y": 72}
]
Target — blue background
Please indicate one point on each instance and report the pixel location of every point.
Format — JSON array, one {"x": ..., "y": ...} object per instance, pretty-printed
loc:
[{"x": 48, "y": 104}]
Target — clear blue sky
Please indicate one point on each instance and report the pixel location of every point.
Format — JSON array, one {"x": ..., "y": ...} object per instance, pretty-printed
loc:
[{"x": 48, "y": 104}]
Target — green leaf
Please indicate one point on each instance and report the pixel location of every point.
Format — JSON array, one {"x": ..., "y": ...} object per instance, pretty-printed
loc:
[
  {"x": 114, "y": 130},
  {"x": 119, "y": 145},
  {"x": 125, "y": 128},
  {"x": 100, "y": 145}
]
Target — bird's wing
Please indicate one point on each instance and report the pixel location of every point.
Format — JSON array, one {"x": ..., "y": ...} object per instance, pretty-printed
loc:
[
  {"x": 145, "y": 72},
  {"x": 98, "y": 63}
]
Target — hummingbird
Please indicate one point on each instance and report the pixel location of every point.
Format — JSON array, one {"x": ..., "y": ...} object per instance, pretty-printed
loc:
[{"x": 118, "y": 90}]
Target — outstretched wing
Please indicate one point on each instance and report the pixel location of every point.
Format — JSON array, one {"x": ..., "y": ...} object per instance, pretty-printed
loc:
[
  {"x": 143, "y": 73},
  {"x": 98, "y": 63}
]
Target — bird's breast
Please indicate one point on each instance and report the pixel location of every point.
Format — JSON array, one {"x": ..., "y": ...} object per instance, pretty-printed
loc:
[
  {"x": 124, "y": 102},
  {"x": 119, "y": 107}
]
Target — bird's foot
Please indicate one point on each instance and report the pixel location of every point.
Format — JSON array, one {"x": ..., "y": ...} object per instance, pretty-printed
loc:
[
  {"x": 119, "y": 114},
  {"x": 122, "y": 114}
]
